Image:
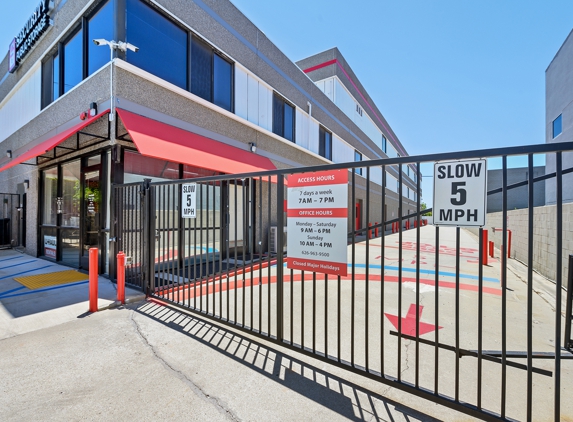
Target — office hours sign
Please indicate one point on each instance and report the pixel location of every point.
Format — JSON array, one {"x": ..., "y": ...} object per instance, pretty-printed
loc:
[
  {"x": 317, "y": 213},
  {"x": 188, "y": 200},
  {"x": 460, "y": 193}
]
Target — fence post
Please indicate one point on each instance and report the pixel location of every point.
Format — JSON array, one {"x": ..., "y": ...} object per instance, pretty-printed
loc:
[
  {"x": 280, "y": 258},
  {"x": 93, "y": 270},
  {"x": 121, "y": 277},
  {"x": 568, "y": 341},
  {"x": 149, "y": 238}
]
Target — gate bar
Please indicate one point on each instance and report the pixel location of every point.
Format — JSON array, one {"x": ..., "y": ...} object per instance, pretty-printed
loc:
[
  {"x": 568, "y": 341},
  {"x": 530, "y": 193},
  {"x": 464, "y": 352},
  {"x": 280, "y": 259},
  {"x": 558, "y": 283},
  {"x": 504, "y": 289}
]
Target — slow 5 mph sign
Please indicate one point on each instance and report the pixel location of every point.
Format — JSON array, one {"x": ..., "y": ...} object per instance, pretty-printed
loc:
[{"x": 460, "y": 192}]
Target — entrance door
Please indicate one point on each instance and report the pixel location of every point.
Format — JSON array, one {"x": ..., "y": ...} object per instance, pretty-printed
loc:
[{"x": 91, "y": 212}]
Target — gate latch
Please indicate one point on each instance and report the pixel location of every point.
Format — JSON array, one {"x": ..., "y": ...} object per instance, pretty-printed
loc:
[
  {"x": 157, "y": 235},
  {"x": 112, "y": 239}
]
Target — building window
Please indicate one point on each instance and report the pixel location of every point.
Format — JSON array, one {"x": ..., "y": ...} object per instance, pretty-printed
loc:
[
  {"x": 162, "y": 44},
  {"x": 557, "y": 126},
  {"x": 211, "y": 75},
  {"x": 283, "y": 118},
  {"x": 100, "y": 25},
  {"x": 325, "y": 143},
  {"x": 72, "y": 61},
  {"x": 384, "y": 141},
  {"x": 358, "y": 157},
  {"x": 222, "y": 83}
]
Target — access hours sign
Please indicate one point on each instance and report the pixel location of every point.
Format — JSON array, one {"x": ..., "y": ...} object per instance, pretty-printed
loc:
[
  {"x": 460, "y": 193},
  {"x": 188, "y": 200},
  {"x": 317, "y": 222}
]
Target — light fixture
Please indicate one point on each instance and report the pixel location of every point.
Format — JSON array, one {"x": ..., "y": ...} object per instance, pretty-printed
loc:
[
  {"x": 9, "y": 153},
  {"x": 253, "y": 146},
  {"x": 93, "y": 109},
  {"x": 27, "y": 183},
  {"x": 113, "y": 45}
]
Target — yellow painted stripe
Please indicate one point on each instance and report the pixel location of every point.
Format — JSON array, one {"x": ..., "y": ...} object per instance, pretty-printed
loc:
[{"x": 34, "y": 282}]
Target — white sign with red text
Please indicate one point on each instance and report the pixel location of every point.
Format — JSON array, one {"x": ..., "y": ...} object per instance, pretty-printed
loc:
[{"x": 317, "y": 222}]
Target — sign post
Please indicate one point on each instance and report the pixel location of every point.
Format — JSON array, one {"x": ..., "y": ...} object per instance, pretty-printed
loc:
[
  {"x": 460, "y": 193},
  {"x": 317, "y": 222},
  {"x": 189, "y": 200}
]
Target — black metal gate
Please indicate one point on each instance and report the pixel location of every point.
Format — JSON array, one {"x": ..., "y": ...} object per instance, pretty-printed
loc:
[
  {"x": 11, "y": 223},
  {"x": 489, "y": 347}
]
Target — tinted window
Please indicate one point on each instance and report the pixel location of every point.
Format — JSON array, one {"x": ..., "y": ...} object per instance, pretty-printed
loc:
[
  {"x": 162, "y": 44},
  {"x": 222, "y": 78},
  {"x": 358, "y": 157},
  {"x": 384, "y": 143},
  {"x": 100, "y": 26},
  {"x": 283, "y": 118},
  {"x": 201, "y": 69},
  {"x": 557, "y": 127},
  {"x": 325, "y": 143},
  {"x": 73, "y": 71},
  {"x": 289, "y": 122},
  {"x": 47, "y": 81},
  {"x": 56, "y": 77},
  {"x": 278, "y": 115}
]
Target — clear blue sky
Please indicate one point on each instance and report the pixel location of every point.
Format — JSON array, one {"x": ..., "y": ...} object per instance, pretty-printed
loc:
[{"x": 447, "y": 74}]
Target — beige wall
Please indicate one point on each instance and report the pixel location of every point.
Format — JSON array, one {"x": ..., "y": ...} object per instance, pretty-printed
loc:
[{"x": 544, "y": 237}]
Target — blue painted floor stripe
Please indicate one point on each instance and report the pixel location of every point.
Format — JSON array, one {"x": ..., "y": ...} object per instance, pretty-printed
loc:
[
  {"x": 11, "y": 291},
  {"x": 24, "y": 272},
  {"x": 8, "y": 259},
  {"x": 44, "y": 290},
  {"x": 15, "y": 265},
  {"x": 429, "y": 272}
]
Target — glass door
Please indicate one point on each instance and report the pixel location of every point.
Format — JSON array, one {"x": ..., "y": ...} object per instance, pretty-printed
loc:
[{"x": 91, "y": 230}]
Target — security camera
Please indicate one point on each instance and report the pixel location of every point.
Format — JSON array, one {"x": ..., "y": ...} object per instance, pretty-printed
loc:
[
  {"x": 100, "y": 41},
  {"x": 132, "y": 47},
  {"x": 124, "y": 46}
]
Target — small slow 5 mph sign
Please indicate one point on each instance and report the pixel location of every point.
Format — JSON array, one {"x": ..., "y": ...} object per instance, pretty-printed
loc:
[{"x": 460, "y": 193}]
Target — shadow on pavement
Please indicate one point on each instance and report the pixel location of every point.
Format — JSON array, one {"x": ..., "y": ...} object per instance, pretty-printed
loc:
[{"x": 337, "y": 394}]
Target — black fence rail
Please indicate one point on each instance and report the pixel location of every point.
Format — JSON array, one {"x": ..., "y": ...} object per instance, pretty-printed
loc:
[{"x": 419, "y": 310}]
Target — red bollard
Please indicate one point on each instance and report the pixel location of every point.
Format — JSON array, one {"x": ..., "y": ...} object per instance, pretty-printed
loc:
[
  {"x": 491, "y": 249},
  {"x": 484, "y": 245},
  {"x": 376, "y": 229},
  {"x": 121, "y": 277},
  {"x": 407, "y": 224},
  {"x": 509, "y": 243},
  {"x": 369, "y": 231},
  {"x": 415, "y": 223},
  {"x": 93, "y": 256}
]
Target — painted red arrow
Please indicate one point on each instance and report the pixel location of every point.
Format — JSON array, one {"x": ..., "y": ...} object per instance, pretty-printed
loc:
[{"x": 409, "y": 323}]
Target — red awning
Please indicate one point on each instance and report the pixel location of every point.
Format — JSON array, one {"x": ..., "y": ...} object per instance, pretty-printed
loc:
[
  {"x": 28, "y": 152},
  {"x": 166, "y": 142}
]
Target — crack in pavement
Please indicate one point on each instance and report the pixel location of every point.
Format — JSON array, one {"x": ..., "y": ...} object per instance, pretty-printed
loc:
[{"x": 194, "y": 387}]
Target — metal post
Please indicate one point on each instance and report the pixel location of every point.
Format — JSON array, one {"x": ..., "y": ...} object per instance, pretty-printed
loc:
[
  {"x": 121, "y": 277},
  {"x": 93, "y": 270}
]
